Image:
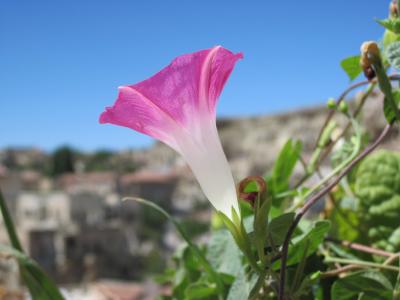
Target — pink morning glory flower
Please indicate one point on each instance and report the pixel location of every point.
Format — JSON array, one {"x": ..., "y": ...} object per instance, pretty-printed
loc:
[{"x": 177, "y": 106}]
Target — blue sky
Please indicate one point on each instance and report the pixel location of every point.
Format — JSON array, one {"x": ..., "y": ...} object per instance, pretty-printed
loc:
[{"x": 62, "y": 61}]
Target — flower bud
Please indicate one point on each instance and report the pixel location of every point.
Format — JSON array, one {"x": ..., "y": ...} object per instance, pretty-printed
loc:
[
  {"x": 370, "y": 54},
  {"x": 252, "y": 187},
  {"x": 343, "y": 107},
  {"x": 325, "y": 138},
  {"x": 369, "y": 73},
  {"x": 331, "y": 104}
]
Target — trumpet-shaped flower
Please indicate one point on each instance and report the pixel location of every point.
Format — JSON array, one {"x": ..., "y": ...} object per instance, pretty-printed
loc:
[{"x": 177, "y": 106}]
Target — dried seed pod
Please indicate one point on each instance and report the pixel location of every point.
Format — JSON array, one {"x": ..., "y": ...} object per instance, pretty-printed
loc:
[
  {"x": 393, "y": 9},
  {"x": 370, "y": 54}
]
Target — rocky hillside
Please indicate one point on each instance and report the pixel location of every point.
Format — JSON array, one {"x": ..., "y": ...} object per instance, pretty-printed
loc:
[{"x": 252, "y": 143}]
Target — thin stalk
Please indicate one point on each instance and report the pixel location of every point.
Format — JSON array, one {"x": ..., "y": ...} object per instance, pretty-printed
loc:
[
  {"x": 338, "y": 101},
  {"x": 391, "y": 259},
  {"x": 340, "y": 212},
  {"x": 341, "y": 270},
  {"x": 200, "y": 256},
  {"x": 314, "y": 199},
  {"x": 347, "y": 91},
  {"x": 364, "y": 97},
  {"x": 369, "y": 90},
  {"x": 328, "y": 119},
  {"x": 386, "y": 87},
  {"x": 396, "y": 290},
  {"x": 360, "y": 247},
  {"x": 342, "y": 165},
  {"x": 9, "y": 224},
  {"x": 361, "y": 263}
]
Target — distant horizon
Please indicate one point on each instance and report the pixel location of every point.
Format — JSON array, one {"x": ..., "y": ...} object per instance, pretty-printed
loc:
[{"x": 152, "y": 142}]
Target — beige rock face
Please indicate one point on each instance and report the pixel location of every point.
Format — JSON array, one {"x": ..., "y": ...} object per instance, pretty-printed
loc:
[{"x": 252, "y": 143}]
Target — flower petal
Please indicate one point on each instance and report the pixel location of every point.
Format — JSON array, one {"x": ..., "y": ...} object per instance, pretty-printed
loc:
[
  {"x": 177, "y": 107},
  {"x": 135, "y": 111},
  {"x": 216, "y": 69},
  {"x": 210, "y": 166}
]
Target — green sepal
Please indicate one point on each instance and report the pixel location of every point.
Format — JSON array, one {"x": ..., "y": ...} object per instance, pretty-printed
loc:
[
  {"x": 388, "y": 109},
  {"x": 390, "y": 24}
]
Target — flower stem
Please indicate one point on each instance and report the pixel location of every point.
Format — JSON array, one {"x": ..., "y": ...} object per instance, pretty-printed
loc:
[
  {"x": 360, "y": 247},
  {"x": 340, "y": 167},
  {"x": 322, "y": 156},
  {"x": 357, "y": 111},
  {"x": 345, "y": 269},
  {"x": 386, "y": 87},
  {"x": 9, "y": 224},
  {"x": 392, "y": 258},
  {"x": 361, "y": 263},
  {"x": 199, "y": 254},
  {"x": 302, "y": 211}
]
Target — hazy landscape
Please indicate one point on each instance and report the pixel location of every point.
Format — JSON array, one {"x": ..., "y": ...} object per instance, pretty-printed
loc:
[{"x": 69, "y": 212}]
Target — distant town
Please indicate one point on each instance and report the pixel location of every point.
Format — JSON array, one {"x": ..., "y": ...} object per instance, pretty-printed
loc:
[{"x": 71, "y": 219}]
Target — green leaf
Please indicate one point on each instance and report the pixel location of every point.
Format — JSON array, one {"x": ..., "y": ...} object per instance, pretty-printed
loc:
[
  {"x": 186, "y": 257},
  {"x": 298, "y": 277},
  {"x": 241, "y": 287},
  {"x": 245, "y": 209},
  {"x": 377, "y": 187},
  {"x": 186, "y": 271},
  {"x": 310, "y": 282},
  {"x": 390, "y": 115},
  {"x": 307, "y": 242},
  {"x": 396, "y": 292},
  {"x": 39, "y": 284},
  {"x": 351, "y": 65},
  {"x": 195, "y": 250},
  {"x": 284, "y": 166},
  {"x": 390, "y": 37},
  {"x": 373, "y": 284},
  {"x": 166, "y": 277},
  {"x": 342, "y": 252},
  {"x": 200, "y": 290},
  {"x": 393, "y": 54},
  {"x": 391, "y": 24},
  {"x": 259, "y": 283},
  {"x": 261, "y": 212},
  {"x": 235, "y": 232},
  {"x": 277, "y": 229},
  {"x": 223, "y": 254},
  {"x": 310, "y": 240}
]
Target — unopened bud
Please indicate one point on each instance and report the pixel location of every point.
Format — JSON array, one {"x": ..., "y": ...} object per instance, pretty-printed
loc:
[
  {"x": 369, "y": 73},
  {"x": 370, "y": 54},
  {"x": 250, "y": 195},
  {"x": 393, "y": 9},
  {"x": 343, "y": 107},
  {"x": 325, "y": 138},
  {"x": 331, "y": 104}
]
